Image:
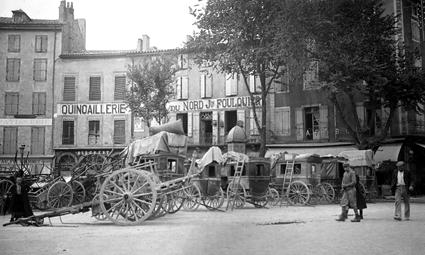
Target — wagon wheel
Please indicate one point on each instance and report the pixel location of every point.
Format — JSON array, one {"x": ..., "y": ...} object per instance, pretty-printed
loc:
[
  {"x": 93, "y": 162},
  {"x": 128, "y": 196},
  {"x": 238, "y": 194},
  {"x": 260, "y": 202},
  {"x": 96, "y": 211},
  {"x": 215, "y": 201},
  {"x": 59, "y": 195},
  {"x": 273, "y": 197},
  {"x": 5, "y": 192},
  {"x": 79, "y": 192},
  {"x": 298, "y": 193},
  {"x": 175, "y": 201},
  {"x": 193, "y": 197},
  {"x": 329, "y": 192},
  {"x": 159, "y": 207},
  {"x": 318, "y": 194}
]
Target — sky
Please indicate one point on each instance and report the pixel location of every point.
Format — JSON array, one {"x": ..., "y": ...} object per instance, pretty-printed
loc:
[{"x": 116, "y": 25}]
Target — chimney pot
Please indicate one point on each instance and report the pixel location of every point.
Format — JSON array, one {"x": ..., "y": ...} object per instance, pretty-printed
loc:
[
  {"x": 146, "y": 42},
  {"x": 139, "y": 44}
]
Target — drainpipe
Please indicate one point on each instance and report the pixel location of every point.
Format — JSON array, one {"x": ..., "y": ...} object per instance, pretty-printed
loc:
[{"x": 53, "y": 99}]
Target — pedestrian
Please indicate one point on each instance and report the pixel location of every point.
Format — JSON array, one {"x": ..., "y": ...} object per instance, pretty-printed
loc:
[
  {"x": 20, "y": 206},
  {"x": 349, "y": 194},
  {"x": 401, "y": 184},
  {"x": 360, "y": 197}
]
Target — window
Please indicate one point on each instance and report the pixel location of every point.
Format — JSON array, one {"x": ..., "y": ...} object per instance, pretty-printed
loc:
[
  {"x": 40, "y": 69},
  {"x": 37, "y": 140},
  {"x": 211, "y": 171},
  {"x": 69, "y": 88},
  {"x": 41, "y": 43},
  {"x": 206, "y": 85},
  {"x": 68, "y": 132},
  {"x": 94, "y": 132},
  {"x": 312, "y": 123},
  {"x": 282, "y": 83},
  {"x": 282, "y": 121},
  {"x": 14, "y": 43},
  {"x": 311, "y": 76},
  {"x": 119, "y": 93},
  {"x": 254, "y": 84},
  {"x": 11, "y": 103},
  {"x": 182, "y": 88},
  {"x": 231, "y": 85},
  {"x": 119, "y": 131},
  {"x": 297, "y": 169},
  {"x": 257, "y": 170},
  {"x": 10, "y": 140},
  {"x": 13, "y": 69},
  {"x": 39, "y": 103},
  {"x": 94, "y": 90},
  {"x": 183, "y": 117},
  {"x": 230, "y": 120}
]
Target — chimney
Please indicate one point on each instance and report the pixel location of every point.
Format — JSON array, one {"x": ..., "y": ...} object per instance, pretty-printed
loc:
[
  {"x": 145, "y": 39},
  {"x": 139, "y": 44},
  {"x": 62, "y": 11},
  {"x": 71, "y": 11}
]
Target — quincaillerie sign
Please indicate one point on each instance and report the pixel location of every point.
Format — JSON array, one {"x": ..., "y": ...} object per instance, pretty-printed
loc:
[
  {"x": 93, "y": 109},
  {"x": 211, "y": 104}
]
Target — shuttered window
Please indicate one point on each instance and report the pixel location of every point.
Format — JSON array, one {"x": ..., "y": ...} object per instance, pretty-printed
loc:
[
  {"x": 94, "y": 132},
  {"x": 39, "y": 103},
  {"x": 254, "y": 84},
  {"x": 41, "y": 43},
  {"x": 11, "y": 103},
  {"x": 68, "y": 132},
  {"x": 282, "y": 121},
  {"x": 119, "y": 131},
  {"x": 311, "y": 76},
  {"x": 10, "y": 140},
  {"x": 14, "y": 43},
  {"x": 94, "y": 90},
  {"x": 69, "y": 88},
  {"x": 231, "y": 85},
  {"x": 13, "y": 67},
  {"x": 206, "y": 85},
  {"x": 182, "y": 88},
  {"x": 119, "y": 93},
  {"x": 40, "y": 69},
  {"x": 37, "y": 140}
]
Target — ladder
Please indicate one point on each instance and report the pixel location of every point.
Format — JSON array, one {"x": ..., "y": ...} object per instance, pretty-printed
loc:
[
  {"x": 287, "y": 179},
  {"x": 234, "y": 185}
]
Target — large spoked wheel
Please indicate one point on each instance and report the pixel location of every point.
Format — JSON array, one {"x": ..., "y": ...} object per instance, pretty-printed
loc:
[
  {"x": 318, "y": 194},
  {"x": 215, "y": 201},
  {"x": 329, "y": 192},
  {"x": 79, "y": 192},
  {"x": 93, "y": 163},
  {"x": 175, "y": 201},
  {"x": 238, "y": 195},
  {"x": 273, "y": 197},
  {"x": 5, "y": 193},
  {"x": 59, "y": 195},
  {"x": 128, "y": 196},
  {"x": 193, "y": 197},
  {"x": 96, "y": 210},
  {"x": 298, "y": 193}
]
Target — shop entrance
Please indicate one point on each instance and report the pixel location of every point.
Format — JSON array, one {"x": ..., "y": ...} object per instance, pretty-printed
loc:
[
  {"x": 206, "y": 130},
  {"x": 230, "y": 120}
]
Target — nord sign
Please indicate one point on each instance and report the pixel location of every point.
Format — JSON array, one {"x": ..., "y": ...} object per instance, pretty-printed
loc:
[{"x": 211, "y": 104}]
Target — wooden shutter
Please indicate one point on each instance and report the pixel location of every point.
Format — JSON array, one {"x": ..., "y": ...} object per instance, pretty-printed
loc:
[
  {"x": 11, "y": 103},
  {"x": 234, "y": 87},
  {"x": 185, "y": 88},
  {"x": 13, "y": 69},
  {"x": 324, "y": 120},
  {"x": 40, "y": 69},
  {"x": 39, "y": 103},
  {"x": 37, "y": 140},
  {"x": 299, "y": 123},
  {"x": 228, "y": 84},
  {"x": 179, "y": 88},
  {"x": 119, "y": 132},
  {"x": 252, "y": 84},
  {"x": 119, "y": 93},
  {"x": 189, "y": 124},
  {"x": 69, "y": 89},
  {"x": 286, "y": 122},
  {"x": 10, "y": 140},
  {"x": 208, "y": 86},
  {"x": 203, "y": 85},
  {"x": 94, "y": 90}
]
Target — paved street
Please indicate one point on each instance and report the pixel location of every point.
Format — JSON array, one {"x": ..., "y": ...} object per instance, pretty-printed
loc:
[{"x": 281, "y": 230}]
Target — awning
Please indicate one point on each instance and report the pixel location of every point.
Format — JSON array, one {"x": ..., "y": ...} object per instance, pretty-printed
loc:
[
  {"x": 388, "y": 152},
  {"x": 422, "y": 145},
  {"x": 321, "y": 151}
]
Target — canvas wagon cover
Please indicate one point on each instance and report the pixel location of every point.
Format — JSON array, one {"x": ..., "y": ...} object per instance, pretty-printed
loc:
[
  {"x": 212, "y": 155},
  {"x": 358, "y": 157},
  {"x": 160, "y": 142}
]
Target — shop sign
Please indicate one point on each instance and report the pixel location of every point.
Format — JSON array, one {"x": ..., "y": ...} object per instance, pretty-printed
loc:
[
  {"x": 93, "y": 109},
  {"x": 211, "y": 104}
]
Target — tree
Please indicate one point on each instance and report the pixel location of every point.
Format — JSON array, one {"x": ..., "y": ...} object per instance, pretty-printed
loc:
[
  {"x": 361, "y": 60},
  {"x": 150, "y": 88},
  {"x": 251, "y": 37}
]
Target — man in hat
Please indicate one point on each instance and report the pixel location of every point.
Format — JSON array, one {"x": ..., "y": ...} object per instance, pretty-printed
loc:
[
  {"x": 401, "y": 184},
  {"x": 349, "y": 194}
]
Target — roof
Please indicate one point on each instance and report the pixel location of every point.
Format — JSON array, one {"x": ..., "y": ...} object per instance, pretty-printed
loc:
[
  {"x": 38, "y": 24},
  {"x": 113, "y": 53}
]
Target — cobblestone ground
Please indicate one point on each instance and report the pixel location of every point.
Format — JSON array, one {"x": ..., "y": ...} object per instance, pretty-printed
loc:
[{"x": 280, "y": 230}]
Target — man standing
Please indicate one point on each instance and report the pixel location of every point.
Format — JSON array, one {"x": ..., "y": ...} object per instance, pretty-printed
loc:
[
  {"x": 401, "y": 181},
  {"x": 349, "y": 194}
]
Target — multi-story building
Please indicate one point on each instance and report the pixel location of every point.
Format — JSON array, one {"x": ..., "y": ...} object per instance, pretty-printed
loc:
[{"x": 29, "y": 49}]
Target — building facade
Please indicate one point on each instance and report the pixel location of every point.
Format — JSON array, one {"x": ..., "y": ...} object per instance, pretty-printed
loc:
[{"x": 29, "y": 49}]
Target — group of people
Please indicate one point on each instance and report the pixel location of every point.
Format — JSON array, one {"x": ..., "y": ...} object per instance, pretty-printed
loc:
[{"x": 354, "y": 194}]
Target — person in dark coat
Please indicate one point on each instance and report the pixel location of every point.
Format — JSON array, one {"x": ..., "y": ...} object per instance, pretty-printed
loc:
[
  {"x": 20, "y": 205},
  {"x": 360, "y": 197},
  {"x": 401, "y": 185}
]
